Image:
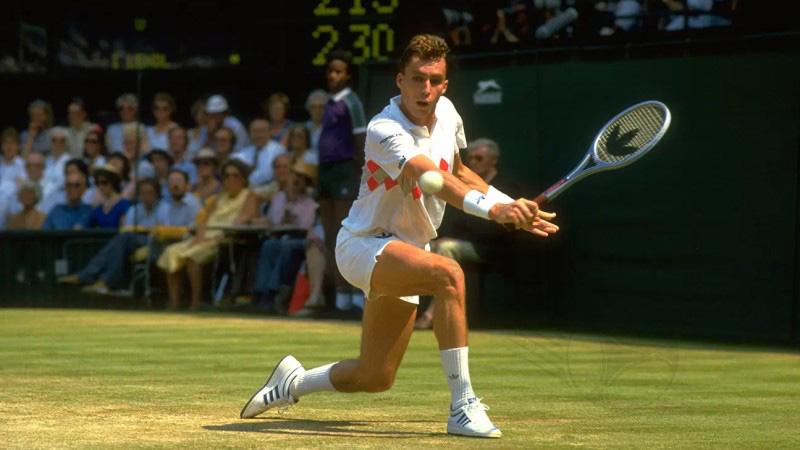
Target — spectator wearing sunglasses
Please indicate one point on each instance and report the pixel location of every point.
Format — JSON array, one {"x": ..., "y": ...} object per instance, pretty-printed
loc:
[
  {"x": 128, "y": 108},
  {"x": 59, "y": 155},
  {"x": 235, "y": 205},
  {"x": 164, "y": 107},
  {"x": 112, "y": 208}
]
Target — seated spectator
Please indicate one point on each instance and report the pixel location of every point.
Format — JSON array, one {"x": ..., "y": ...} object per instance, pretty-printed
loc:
[
  {"x": 276, "y": 108},
  {"x": 207, "y": 182},
  {"x": 78, "y": 127},
  {"x": 218, "y": 115},
  {"x": 106, "y": 270},
  {"x": 37, "y": 137},
  {"x": 94, "y": 147},
  {"x": 261, "y": 153},
  {"x": 198, "y": 136},
  {"x": 163, "y": 108},
  {"x": 315, "y": 105},
  {"x": 162, "y": 162},
  {"x": 34, "y": 172},
  {"x": 74, "y": 214},
  {"x": 467, "y": 240},
  {"x": 123, "y": 166},
  {"x": 136, "y": 149},
  {"x": 29, "y": 218},
  {"x": 300, "y": 150},
  {"x": 235, "y": 205},
  {"x": 179, "y": 209},
  {"x": 280, "y": 259},
  {"x": 109, "y": 213},
  {"x": 695, "y": 20},
  {"x": 177, "y": 146},
  {"x": 128, "y": 106},
  {"x": 223, "y": 143},
  {"x": 59, "y": 155},
  {"x": 282, "y": 168},
  {"x": 12, "y": 167}
]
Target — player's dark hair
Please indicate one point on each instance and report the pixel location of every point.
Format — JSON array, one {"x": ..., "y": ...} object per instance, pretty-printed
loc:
[{"x": 341, "y": 55}]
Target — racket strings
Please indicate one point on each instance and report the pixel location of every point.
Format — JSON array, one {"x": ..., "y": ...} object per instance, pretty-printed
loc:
[{"x": 630, "y": 134}]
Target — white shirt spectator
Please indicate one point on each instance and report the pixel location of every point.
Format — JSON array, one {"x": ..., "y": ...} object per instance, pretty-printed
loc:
[
  {"x": 261, "y": 161},
  {"x": 115, "y": 134},
  {"x": 9, "y": 172},
  {"x": 54, "y": 172},
  {"x": 157, "y": 140}
]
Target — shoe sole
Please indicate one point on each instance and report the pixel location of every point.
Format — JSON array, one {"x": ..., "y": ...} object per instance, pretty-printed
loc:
[
  {"x": 496, "y": 435},
  {"x": 241, "y": 414}
]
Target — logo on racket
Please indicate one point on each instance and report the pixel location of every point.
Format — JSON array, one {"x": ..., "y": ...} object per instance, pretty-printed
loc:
[{"x": 617, "y": 144}]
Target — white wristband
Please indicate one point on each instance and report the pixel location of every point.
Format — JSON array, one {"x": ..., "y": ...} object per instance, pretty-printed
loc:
[
  {"x": 497, "y": 196},
  {"x": 477, "y": 204}
]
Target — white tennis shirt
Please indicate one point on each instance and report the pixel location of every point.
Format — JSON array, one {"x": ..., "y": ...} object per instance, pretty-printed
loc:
[{"x": 389, "y": 202}]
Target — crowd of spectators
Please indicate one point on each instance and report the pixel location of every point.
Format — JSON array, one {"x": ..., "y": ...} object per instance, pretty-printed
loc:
[
  {"x": 481, "y": 22},
  {"x": 156, "y": 180}
]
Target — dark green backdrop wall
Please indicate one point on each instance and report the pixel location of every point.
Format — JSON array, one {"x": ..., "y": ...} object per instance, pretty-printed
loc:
[{"x": 697, "y": 239}]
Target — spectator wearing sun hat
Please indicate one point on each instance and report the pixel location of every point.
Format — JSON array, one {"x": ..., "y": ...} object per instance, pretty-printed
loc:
[
  {"x": 218, "y": 115},
  {"x": 207, "y": 184}
]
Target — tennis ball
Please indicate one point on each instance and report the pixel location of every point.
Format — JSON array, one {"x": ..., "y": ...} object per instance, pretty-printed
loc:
[{"x": 431, "y": 182}]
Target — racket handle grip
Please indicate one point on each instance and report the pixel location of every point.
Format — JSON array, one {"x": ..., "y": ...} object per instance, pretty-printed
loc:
[{"x": 541, "y": 199}]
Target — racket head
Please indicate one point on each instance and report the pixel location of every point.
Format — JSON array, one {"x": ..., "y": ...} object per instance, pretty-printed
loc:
[{"x": 630, "y": 134}]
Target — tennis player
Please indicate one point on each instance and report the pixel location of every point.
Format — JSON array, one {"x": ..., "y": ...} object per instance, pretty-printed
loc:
[{"x": 383, "y": 249}]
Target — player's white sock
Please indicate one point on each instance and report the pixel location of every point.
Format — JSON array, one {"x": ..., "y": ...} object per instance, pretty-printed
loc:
[
  {"x": 317, "y": 379},
  {"x": 456, "y": 369}
]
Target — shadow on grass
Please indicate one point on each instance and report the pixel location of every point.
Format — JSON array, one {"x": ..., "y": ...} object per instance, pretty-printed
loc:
[{"x": 331, "y": 428}]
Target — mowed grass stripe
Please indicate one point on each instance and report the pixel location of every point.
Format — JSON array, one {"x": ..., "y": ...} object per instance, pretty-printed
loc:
[{"x": 73, "y": 378}]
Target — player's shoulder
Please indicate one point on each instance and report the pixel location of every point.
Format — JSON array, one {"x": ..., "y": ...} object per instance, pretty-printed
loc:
[
  {"x": 385, "y": 122},
  {"x": 445, "y": 109}
]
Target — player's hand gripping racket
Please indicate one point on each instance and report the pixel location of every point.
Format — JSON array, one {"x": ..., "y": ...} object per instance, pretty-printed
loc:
[{"x": 625, "y": 138}]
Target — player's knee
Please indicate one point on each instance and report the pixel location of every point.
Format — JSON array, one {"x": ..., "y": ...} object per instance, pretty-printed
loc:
[
  {"x": 450, "y": 278},
  {"x": 378, "y": 380}
]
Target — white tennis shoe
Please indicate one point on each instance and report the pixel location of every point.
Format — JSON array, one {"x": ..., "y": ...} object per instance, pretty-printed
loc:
[
  {"x": 471, "y": 420},
  {"x": 275, "y": 393}
]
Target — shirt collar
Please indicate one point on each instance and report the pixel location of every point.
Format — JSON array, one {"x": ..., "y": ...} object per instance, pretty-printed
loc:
[
  {"x": 399, "y": 115},
  {"x": 341, "y": 94}
]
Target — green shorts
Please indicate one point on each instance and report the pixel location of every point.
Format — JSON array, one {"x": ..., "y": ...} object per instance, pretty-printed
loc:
[{"x": 339, "y": 180}]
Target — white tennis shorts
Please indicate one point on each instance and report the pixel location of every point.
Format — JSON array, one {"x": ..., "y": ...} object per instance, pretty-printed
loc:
[{"x": 356, "y": 257}]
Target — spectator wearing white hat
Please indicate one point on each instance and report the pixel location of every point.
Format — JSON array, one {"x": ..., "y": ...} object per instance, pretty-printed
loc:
[
  {"x": 128, "y": 107},
  {"x": 218, "y": 115}
]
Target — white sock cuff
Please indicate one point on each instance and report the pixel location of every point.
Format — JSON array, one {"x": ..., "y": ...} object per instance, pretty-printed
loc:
[{"x": 317, "y": 379}]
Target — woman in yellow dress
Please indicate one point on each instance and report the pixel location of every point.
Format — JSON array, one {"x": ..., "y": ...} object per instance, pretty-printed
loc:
[{"x": 235, "y": 205}]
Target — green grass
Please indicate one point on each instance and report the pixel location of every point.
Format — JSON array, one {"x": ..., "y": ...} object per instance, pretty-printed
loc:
[{"x": 71, "y": 378}]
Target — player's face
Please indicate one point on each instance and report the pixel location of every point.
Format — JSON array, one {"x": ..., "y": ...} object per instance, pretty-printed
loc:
[
  {"x": 337, "y": 75},
  {"x": 421, "y": 85}
]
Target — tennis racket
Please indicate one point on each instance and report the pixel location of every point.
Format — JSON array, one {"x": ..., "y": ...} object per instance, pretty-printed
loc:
[{"x": 624, "y": 139}]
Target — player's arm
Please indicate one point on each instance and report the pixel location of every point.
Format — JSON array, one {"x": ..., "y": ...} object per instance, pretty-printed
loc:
[{"x": 521, "y": 213}]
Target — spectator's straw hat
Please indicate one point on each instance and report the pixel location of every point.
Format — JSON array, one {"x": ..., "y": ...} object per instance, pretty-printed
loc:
[
  {"x": 108, "y": 170},
  {"x": 162, "y": 152},
  {"x": 206, "y": 154},
  {"x": 216, "y": 104},
  {"x": 308, "y": 170}
]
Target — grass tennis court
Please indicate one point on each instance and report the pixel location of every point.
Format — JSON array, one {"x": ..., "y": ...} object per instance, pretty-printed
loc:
[{"x": 73, "y": 378}]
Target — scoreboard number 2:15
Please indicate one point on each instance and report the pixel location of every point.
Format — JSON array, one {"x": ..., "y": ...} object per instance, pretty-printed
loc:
[{"x": 367, "y": 41}]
